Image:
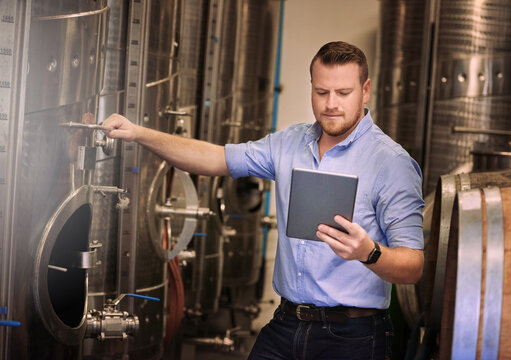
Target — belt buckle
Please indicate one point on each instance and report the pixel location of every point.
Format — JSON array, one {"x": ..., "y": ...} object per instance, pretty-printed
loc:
[{"x": 299, "y": 311}]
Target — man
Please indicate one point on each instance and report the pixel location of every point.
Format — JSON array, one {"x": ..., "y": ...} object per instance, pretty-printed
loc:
[{"x": 335, "y": 293}]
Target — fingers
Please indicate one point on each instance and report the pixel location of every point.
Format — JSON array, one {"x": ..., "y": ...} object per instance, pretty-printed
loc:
[
  {"x": 336, "y": 244},
  {"x": 122, "y": 127},
  {"x": 349, "y": 246},
  {"x": 345, "y": 223}
]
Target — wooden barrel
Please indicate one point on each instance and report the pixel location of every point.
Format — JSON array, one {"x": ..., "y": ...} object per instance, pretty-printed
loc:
[
  {"x": 476, "y": 320},
  {"x": 436, "y": 252}
]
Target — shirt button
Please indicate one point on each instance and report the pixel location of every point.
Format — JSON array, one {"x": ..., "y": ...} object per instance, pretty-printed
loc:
[
  {"x": 299, "y": 274},
  {"x": 303, "y": 242}
]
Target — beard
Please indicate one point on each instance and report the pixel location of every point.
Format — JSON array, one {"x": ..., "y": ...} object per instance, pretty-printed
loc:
[{"x": 339, "y": 127}]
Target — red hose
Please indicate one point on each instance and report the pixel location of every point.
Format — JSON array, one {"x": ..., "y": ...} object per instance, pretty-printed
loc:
[{"x": 175, "y": 289}]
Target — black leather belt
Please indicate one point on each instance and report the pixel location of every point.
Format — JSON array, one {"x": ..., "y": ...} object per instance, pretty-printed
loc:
[{"x": 332, "y": 314}]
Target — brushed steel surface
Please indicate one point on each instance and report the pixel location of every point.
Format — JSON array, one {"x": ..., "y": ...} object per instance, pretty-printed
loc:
[
  {"x": 470, "y": 81},
  {"x": 14, "y": 27},
  {"x": 64, "y": 62},
  {"x": 449, "y": 149},
  {"x": 403, "y": 72},
  {"x": 250, "y": 120}
]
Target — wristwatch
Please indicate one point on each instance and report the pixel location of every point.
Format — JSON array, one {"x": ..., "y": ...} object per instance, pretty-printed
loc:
[{"x": 374, "y": 255}]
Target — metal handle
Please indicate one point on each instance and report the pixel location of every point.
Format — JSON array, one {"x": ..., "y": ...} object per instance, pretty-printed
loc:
[
  {"x": 469, "y": 130},
  {"x": 168, "y": 112},
  {"x": 75, "y": 125},
  {"x": 109, "y": 189}
]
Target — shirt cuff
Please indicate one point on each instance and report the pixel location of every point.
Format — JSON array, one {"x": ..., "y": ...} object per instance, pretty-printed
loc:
[{"x": 235, "y": 159}]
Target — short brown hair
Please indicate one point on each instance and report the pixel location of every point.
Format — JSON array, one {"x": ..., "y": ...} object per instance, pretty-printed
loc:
[{"x": 340, "y": 53}]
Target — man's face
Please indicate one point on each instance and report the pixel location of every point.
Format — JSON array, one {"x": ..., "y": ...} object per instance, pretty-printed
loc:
[{"x": 338, "y": 98}]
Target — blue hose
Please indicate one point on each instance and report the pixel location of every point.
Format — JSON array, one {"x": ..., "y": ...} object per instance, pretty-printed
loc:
[{"x": 276, "y": 93}]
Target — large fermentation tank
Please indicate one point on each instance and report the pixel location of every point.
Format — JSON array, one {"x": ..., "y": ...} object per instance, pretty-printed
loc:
[
  {"x": 104, "y": 226},
  {"x": 403, "y": 72},
  {"x": 471, "y": 87},
  {"x": 150, "y": 64},
  {"x": 237, "y": 107},
  {"x": 52, "y": 191},
  {"x": 102, "y": 279},
  {"x": 250, "y": 120},
  {"x": 14, "y": 16},
  {"x": 240, "y": 110}
]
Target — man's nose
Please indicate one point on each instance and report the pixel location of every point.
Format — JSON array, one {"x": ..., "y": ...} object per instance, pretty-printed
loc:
[{"x": 332, "y": 101}]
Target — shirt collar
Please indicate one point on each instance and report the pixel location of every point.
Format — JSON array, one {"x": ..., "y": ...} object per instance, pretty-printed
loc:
[{"x": 314, "y": 132}]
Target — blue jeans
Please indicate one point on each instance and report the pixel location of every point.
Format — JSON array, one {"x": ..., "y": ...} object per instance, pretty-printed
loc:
[{"x": 286, "y": 337}]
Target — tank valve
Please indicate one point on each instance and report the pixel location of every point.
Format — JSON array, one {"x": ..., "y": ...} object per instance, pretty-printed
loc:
[{"x": 111, "y": 323}]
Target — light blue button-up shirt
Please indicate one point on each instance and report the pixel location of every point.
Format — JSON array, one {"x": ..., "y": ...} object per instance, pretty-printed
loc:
[{"x": 388, "y": 206}]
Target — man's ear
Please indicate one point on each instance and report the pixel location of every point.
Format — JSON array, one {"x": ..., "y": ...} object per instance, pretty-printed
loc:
[{"x": 366, "y": 91}]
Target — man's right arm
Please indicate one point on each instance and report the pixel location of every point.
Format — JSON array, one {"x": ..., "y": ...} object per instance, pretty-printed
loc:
[{"x": 194, "y": 156}]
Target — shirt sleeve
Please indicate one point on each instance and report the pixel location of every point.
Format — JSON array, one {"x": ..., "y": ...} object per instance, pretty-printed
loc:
[
  {"x": 397, "y": 197},
  {"x": 253, "y": 158}
]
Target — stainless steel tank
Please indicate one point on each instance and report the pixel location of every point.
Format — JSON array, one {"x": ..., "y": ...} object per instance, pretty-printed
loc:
[
  {"x": 470, "y": 83},
  {"x": 237, "y": 101},
  {"x": 102, "y": 283},
  {"x": 149, "y": 66},
  {"x": 203, "y": 277},
  {"x": 52, "y": 189},
  {"x": 240, "y": 110},
  {"x": 251, "y": 120},
  {"x": 403, "y": 70}
]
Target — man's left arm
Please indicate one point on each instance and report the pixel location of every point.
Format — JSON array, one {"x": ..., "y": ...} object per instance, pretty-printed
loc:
[{"x": 399, "y": 265}]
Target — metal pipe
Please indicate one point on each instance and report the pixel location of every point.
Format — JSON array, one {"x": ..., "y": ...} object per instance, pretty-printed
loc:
[{"x": 76, "y": 125}]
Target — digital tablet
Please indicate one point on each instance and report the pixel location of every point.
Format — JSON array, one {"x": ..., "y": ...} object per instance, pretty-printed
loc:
[{"x": 315, "y": 198}]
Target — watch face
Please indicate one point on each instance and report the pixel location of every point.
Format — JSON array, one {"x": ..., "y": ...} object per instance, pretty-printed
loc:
[{"x": 374, "y": 255}]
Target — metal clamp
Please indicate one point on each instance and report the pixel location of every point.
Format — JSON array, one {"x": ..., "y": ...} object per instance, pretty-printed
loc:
[{"x": 269, "y": 221}]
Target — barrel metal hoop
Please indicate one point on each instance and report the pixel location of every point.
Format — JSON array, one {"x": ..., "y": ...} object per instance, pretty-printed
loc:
[
  {"x": 494, "y": 274},
  {"x": 448, "y": 194},
  {"x": 468, "y": 277},
  {"x": 464, "y": 181}
]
